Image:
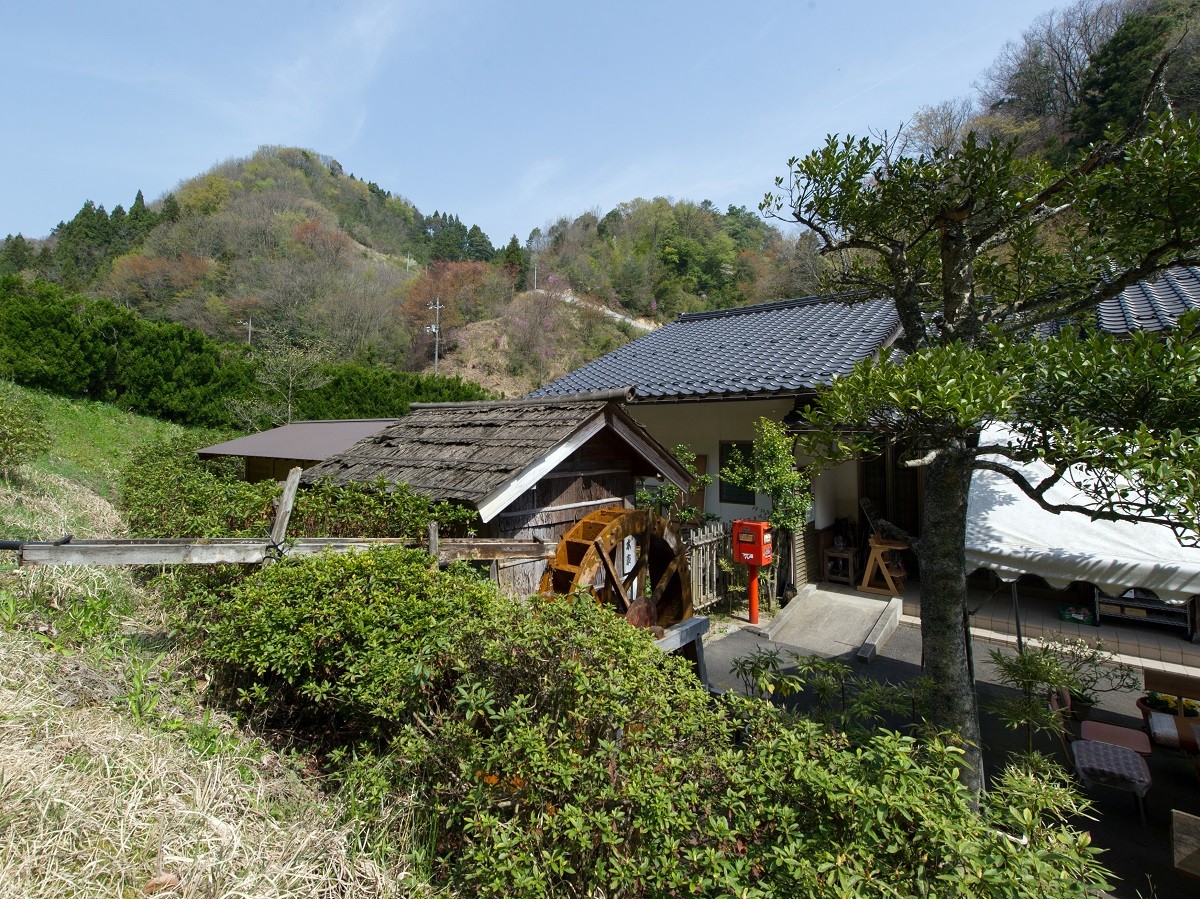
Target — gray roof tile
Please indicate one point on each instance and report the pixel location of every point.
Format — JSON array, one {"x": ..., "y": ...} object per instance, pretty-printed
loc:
[
  {"x": 775, "y": 348},
  {"x": 1152, "y": 305}
]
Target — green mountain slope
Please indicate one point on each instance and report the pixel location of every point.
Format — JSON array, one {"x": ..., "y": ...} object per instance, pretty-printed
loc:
[{"x": 284, "y": 245}]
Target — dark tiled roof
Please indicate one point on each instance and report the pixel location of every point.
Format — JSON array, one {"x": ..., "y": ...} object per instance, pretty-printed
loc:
[
  {"x": 1152, "y": 305},
  {"x": 775, "y": 348}
]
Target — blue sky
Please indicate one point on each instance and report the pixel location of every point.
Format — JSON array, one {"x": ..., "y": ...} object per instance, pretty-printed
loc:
[{"x": 508, "y": 114}]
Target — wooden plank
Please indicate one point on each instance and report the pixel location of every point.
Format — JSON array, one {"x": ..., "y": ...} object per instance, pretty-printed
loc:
[
  {"x": 283, "y": 509},
  {"x": 679, "y": 635},
  {"x": 1185, "y": 842},
  {"x": 249, "y": 551},
  {"x": 158, "y": 552},
  {"x": 1173, "y": 684}
]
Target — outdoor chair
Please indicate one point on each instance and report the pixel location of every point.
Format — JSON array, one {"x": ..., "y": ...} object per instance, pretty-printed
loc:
[
  {"x": 1106, "y": 764},
  {"x": 1129, "y": 737}
]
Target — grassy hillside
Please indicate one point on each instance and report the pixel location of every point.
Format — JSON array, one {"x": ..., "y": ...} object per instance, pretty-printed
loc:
[
  {"x": 117, "y": 777},
  {"x": 72, "y": 486},
  {"x": 89, "y": 442}
]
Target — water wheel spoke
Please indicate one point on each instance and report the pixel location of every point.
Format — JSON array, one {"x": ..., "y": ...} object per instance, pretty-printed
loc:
[
  {"x": 615, "y": 579},
  {"x": 640, "y": 567},
  {"x": 664, "y": 580}
]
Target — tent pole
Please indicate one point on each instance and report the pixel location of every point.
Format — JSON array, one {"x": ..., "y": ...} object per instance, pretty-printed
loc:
[{"x": 1017, "y": 617}]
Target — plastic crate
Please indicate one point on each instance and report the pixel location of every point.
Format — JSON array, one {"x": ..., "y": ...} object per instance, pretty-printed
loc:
[{"x": 1076, "y": 614}]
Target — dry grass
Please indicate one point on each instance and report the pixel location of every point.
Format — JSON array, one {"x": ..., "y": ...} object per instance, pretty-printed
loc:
[
  {"x": 94, "y": 804},
  {"x": 113, "y": 780},
  {"x": 39, "y": 505}
]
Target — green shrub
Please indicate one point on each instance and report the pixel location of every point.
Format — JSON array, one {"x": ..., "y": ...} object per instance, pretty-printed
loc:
[
  {"x": 577, "y": 760},
  {"x": 77, "y": 347},
  {"x": 355, "y": 390},
  {"x": 555, "y": 751},
  {"x": 373, "y": 510},
  {"x": 363, "y": 638},
  {"x": 23, "y": 434},
  {"x": 166, "y": 491}
]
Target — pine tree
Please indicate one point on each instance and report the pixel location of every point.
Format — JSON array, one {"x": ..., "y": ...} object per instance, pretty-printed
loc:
[
  {"x": 479, "y": 247},
  {"x": 170, "y": 209},
  {"x": 512, "y": 259},
  {"x": 16, "y": 256}
]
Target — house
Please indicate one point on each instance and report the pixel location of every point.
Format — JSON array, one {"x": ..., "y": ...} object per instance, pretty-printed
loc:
[
  {"x": 531, "y": 469},
  {"x": 705, "y": 379},
  {"x": 275, "y": 452}
]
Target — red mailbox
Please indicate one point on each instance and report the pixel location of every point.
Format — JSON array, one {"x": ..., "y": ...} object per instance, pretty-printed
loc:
[{"x": 752, "y": 542}]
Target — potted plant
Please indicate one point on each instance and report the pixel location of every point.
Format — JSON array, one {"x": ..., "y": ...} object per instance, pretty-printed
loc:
[
  {"x": 1091, "y": 671},
  {"x": 1033, "y": 672}
]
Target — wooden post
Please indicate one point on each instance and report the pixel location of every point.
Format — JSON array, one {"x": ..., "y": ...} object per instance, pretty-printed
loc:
[
  {"x": 283, "y": 510},
  {"x": 433, "y": 538}
]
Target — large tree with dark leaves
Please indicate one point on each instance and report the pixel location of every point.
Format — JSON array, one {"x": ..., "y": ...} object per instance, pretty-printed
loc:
[{"x": 976, "y": 247}]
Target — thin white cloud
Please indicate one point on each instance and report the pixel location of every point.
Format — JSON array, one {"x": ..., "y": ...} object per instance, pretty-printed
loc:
[
  {"x": 537, "y": 176},
  {"x": 325, "y": 75}
]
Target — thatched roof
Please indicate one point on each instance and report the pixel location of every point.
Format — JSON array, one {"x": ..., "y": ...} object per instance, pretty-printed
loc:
[{"x": 487, "y": 454}]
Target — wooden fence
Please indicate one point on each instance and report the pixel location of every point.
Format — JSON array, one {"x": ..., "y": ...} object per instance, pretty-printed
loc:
[{"x": 707, "y": 545}]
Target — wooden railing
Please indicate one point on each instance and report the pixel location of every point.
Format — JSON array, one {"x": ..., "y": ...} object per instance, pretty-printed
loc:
[{"x": 706, "y": 545}]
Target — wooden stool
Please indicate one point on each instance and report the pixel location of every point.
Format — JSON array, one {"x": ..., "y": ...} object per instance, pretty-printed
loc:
[
  {"x": 880, "y": 564},
  {"x": 850, "y": 556}
]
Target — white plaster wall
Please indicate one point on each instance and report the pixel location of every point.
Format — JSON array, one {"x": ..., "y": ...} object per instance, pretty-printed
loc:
[
  {"x": 835, "y": 494},
  {"x": 703, "y": 426}
]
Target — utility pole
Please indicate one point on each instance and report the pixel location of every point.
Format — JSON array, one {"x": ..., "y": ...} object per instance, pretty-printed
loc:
[
  {"x": 436, "y": 330},
  {"x": 249, "y": 323}
]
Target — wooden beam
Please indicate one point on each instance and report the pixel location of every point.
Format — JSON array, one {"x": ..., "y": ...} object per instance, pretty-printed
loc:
[
  {"x": 146, "y": 552},
  {"x": 679, "y": 635},
  {"x": 283, "y": 508},
  {"x": 251, "y": 552},
  {"x": 533, "y": 513}
]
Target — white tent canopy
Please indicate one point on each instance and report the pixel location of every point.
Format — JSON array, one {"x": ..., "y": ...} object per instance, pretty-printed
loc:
[{"x": 1010, "y": 534}]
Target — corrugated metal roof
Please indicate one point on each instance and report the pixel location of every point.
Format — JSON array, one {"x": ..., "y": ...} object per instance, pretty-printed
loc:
[
  {"x": 308, "y": 441},
  {"x": 1152, "y": 305},
  {"x": 770, "y": 349},
  {"x": 469, "y": 451}
]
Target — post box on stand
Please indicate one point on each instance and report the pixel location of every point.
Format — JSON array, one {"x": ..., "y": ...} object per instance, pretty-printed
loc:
[{"x": 752, "y": 547}]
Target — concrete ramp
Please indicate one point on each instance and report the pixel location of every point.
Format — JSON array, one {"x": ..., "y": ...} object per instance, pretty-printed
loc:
[{"x": 836, "y": 624}]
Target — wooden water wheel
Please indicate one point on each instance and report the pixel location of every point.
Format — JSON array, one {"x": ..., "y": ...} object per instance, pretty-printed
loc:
[{"x": 632, "y": 560}]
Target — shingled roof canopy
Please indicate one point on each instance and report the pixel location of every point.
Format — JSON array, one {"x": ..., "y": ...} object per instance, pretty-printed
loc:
[
  {"x": 773, "y": 349},
  {"x": 487, "y": 454},
  {"x": 300, "y": 440}
]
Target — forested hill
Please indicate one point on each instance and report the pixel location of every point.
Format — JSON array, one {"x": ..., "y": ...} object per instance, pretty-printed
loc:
[{"x": 286, "y": 243}]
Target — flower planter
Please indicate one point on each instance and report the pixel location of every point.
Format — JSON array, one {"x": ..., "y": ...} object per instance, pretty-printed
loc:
[{"x": 1166, "y": 729}]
